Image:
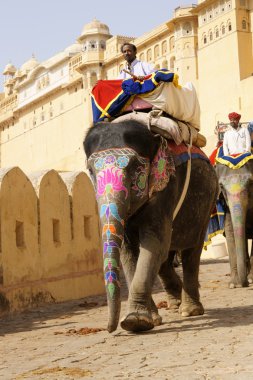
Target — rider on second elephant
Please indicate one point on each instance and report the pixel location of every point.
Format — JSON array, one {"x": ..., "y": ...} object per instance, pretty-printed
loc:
[{"x": 237, "y": 139}]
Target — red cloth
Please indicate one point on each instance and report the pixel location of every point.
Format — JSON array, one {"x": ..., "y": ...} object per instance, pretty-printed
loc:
[
  {"x": 234, "y": 116},
  {"x": 214, "y": 153},
  {"x": 105, "y": 91}
]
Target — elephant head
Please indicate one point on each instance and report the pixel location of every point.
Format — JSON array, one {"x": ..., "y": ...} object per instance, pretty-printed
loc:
[{"x": 120, "y": 179}]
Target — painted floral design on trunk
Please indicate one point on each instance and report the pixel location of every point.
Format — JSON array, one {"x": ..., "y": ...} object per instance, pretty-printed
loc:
[{"x": 111, "y": 193}]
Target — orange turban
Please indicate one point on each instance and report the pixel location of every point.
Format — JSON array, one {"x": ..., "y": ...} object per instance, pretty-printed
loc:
[{"x": 234, "y": 116}]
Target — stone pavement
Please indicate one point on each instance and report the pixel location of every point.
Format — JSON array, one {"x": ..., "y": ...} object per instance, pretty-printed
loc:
[{"x": 61, "y": 341}]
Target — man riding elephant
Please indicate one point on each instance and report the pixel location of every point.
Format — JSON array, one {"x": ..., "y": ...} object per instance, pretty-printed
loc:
[{"x": 236, "y": 140}]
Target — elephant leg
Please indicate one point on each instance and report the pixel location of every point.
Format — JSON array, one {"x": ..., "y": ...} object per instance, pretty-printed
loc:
[
  {"x": 129, "y": 257},
  {"x": 250, "y": 276},
  {"x": 191, "y": 304},
  {"x": 171, "y": 281},
  {"x": 139, "y": 317},
  {"x": 234, "y": 280}
]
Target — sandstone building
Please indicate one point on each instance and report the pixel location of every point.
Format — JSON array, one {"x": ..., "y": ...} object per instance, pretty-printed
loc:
[{"x": 45, "y": 108}]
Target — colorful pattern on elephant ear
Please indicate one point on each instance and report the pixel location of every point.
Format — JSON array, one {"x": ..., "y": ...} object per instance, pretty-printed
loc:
[
  {"x": 140, "y": 179},
  {"x": 162, "y": 167}
]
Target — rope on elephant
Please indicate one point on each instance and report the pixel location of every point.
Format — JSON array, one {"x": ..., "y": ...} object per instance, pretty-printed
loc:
[{"x": 187, "y": 179}]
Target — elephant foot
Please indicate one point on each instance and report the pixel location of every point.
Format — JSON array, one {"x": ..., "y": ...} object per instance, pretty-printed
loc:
[
  {"x": 157, "y": 319},
  {"x": 250, "y": 278},
  {"x": 136, "y": 322},
  {"x": 190, "y": 310},
  {"x": 173, "y": 303},
  {"x": 233, "y": 285}
]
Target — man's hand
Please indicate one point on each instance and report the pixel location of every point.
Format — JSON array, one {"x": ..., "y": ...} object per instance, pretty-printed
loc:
[{"x": 140, "y": 78}]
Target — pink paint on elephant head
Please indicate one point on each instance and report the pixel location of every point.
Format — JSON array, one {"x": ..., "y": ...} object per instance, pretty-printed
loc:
[{"x": 110, "y": 180}]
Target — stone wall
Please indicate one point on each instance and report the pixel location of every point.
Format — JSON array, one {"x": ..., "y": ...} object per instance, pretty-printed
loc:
[{"x": 50, "y": 243}]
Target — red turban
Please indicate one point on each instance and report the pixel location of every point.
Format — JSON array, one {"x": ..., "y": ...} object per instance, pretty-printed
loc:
[{"x": 234, "y": 116}]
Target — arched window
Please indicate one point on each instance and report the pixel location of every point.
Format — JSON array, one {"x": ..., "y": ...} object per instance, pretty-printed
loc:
[
  {"x": 204, "y": 39},
  {"x": 149, "y": 55},
  {"x": 165, "y": 64},
  {"x": 102, "y": 44},
  {"x": 93, "y": 44},
  {"x": 229, "y": 26},
  {"x": 211, "y": 36},
  {"x": 223, "y": 29},
  {"x": 172, "y": 63},
  {"x": 156, "y": 51},
  {"x": 164, "y": 47},
  {"x": 216, "y": 32},
  {"x": 172, "y": 43},
  {"x": 244, "y": 24},
  {"x": 142, "y": 58}
]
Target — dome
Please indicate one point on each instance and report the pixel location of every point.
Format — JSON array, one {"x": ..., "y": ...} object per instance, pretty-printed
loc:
[
  {"x": 74, "y": 48},
  {"x": 30, "y": 64},
  {"x": 95, "y": 27},
  {"x": 9, "y": 69}
]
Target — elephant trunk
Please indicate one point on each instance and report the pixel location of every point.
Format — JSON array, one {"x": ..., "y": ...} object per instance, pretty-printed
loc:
[
  {"x": 111, "y": 253},
  {"x": 113, "y": 204},
  {"x": 238, "y": 208}
]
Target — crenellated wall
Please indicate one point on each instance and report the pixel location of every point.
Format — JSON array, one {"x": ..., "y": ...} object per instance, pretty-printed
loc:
[{"x": 50, "y": 243}]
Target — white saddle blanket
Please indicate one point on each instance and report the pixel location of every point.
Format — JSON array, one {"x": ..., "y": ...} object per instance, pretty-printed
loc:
[{"x": 180, "y": 102}]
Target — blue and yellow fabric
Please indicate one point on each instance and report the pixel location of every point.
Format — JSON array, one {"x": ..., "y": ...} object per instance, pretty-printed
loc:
[
  {"x": 109, "y": 97},
  {"x": 216, "y": 222},
  {"x": 233, "y": 162}
]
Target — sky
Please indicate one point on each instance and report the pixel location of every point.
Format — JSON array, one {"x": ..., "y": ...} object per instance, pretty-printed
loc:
[{"x": 46, "y": 27}]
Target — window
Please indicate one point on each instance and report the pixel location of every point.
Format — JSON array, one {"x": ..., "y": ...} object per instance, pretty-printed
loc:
[
  {"x": 102, "y": 44},
  {"x": 172, "y": 43},
  {"x": 149, "y": 55},
  {"x": 20, "y": 234},
  {"x": 223, "y": 30},
  {"x": 93, "y": 44},
  {"x": 216, "y": 32},
  {"x": 142, "y": 58},
  {"x": 157, "y": 51},
  {"x": 87, "y": 227},
  {"x": 244, "y": 24},
  {"x": 172, "y": 63},
  {"x": 211, "y": 36},
  {"x": 229, "y": 26},
  {"x": 164, "y": 47},
  {"x": 187, "y": 28},
  {"x": 56, "y": 231},
  {"x": 165, "y": 64}
]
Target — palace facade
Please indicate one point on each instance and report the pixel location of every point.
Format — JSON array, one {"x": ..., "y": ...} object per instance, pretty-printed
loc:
[{"x": 45, "y": 109}]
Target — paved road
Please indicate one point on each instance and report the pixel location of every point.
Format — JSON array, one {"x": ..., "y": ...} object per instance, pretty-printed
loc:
[{"x": 51, "y": 343}]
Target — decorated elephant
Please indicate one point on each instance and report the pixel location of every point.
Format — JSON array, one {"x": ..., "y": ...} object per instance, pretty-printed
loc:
[
  {"x": 236, "y": 183},
  {"x": 138, "y": 182}
]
